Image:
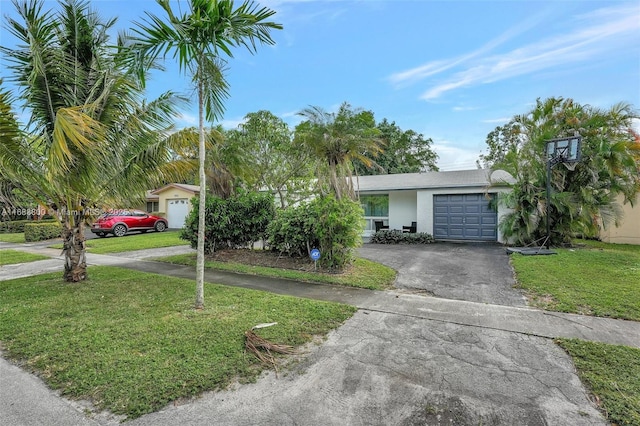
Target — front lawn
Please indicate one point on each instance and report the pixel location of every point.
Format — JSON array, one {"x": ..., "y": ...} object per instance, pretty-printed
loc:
[
  {"x": 131, "y": 242},
  {"x": 10, "y": 257},
  {"x": 596, "y": 279},
  {"x": 364, "y": 273},
  {"x": 17, "y": 238},
  {"x": 613, "y": 374},
  {"x": 131, "y": 342}
]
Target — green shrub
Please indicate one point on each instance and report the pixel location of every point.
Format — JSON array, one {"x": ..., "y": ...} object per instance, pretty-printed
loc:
[
  {"x": 394, "y": 236},
  {"x": 335, "y": 227},
  {"x": 293, "y": 232},
  {"x": 340, "y": 230},
  {"x": 41, "y": 231},
  {"x": 238, "y": 221},
  {"x": 17, "y": 226}
]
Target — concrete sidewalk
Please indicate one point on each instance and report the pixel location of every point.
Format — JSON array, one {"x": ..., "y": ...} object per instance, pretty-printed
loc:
[
  {"x": 404, "y": 358},
  {"x": 497, "y": 317}
]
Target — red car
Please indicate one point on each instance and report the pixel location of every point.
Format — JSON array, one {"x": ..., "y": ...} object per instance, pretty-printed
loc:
[{"x": 120, "y": 222}]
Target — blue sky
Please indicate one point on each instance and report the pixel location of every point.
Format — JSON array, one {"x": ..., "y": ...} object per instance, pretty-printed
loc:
[{"x": 451, "y": 70}]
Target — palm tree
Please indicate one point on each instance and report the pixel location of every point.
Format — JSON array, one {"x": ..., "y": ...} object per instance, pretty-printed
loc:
[
  {"x": 582, "y": 199},
  {"x": 91, "y": 140},
  {"x": 337, "y": 140},
  {"x": 196, "y": 39}
]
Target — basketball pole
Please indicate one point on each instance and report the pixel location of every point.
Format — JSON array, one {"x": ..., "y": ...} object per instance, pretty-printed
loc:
[
  {"x": 547, "y": 240},
  {"x": 561, "y": 154}
]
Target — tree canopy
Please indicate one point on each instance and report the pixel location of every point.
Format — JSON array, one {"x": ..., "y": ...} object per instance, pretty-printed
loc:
[
  {"x": 337, "y": 140},
  {"x": 402, "y": 151},
  {"x": 91, "y": 140},
  {"x": 270, "y": 159},
  {"x": 582, "y": 200}
]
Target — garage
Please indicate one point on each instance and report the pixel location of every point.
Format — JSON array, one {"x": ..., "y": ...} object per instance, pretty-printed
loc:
[
  {"x": 177, "y": 211},
  {"x": 464, "y": 217}
]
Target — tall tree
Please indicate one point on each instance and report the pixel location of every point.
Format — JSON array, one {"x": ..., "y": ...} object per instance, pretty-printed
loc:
[
  {"x": 196, "y": 39},
  {"x": 581, "y": 199},
  {"x": 337, "y": 140},
  {"x": 271, "y": 160},
  {"x": 503, "y": 143},
  {"x": 91, "y": 139},
  {"x": 403, "y": 151}
]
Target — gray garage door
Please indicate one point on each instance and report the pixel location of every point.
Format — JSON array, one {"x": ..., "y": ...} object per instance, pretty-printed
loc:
[{"x": 464, "y": 217}]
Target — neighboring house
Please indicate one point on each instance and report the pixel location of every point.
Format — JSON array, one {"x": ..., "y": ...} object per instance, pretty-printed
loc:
[
  {"x": 455, "y": 205},
  {"x": 173, "y": 202},
  {"x": 628, "y": 231}
]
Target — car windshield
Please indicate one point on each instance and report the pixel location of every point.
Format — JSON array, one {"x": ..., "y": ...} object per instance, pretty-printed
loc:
[{"x": 115, "y": 213}]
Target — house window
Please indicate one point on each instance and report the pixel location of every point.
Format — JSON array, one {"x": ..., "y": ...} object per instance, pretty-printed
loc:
[
  {"x": 153, "y": 206},
  {"x": 376, "y": 209},
  {"x": 375, "y": 205}
]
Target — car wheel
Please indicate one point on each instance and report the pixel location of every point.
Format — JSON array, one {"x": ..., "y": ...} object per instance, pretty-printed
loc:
[
  {"x": 161, "y": 226},
  {"x": 119, "y": 230}
]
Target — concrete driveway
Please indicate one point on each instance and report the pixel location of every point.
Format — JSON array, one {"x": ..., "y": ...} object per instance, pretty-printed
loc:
[
  {"x": 389, "y": 369},
  {"x": 475, "y": 272}
]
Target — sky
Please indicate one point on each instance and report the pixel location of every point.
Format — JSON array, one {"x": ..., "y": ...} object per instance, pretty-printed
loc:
[{"x": 450, "y": 70}]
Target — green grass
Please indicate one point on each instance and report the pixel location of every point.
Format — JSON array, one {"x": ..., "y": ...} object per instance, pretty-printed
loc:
[
  {"x": 133, "y": 242},
  {"x": 598, "y": 279},
  {"x": 363, "y": 274},
  {"x": 17, "y": 238},
  {"x": 131, "y": 342},
  {"x": 613, "y": 374},
  {"x": 9, "y": 257}
]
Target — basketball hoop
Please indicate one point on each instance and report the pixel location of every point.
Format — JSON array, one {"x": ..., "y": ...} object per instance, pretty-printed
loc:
[{"x": 565, "y": 151}]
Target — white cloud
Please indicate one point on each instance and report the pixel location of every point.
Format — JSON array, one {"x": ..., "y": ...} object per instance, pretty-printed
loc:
[
  {"x": 585, "y": 43},
  {"x": 187, "y": 120},
  {"x": 231, "y": 124},
  {"x": 454, "y": 158},
  {"x": 596, "y": 33},
  {"x": 421, "y": 72},
  {"x": 497, "y": 120},
  {"x": 463, "y": 108}
]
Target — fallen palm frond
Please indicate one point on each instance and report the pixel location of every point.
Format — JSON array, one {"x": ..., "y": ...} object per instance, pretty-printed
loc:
[{"x": 262, "y": 348}]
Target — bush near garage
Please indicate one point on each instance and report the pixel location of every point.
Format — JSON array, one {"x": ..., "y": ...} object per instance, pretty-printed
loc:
[
  {"x": 394, "y": 236},
  {"x": 17, "y": 226},
  {"x": 333, "y": 226},
  {"x": 41, "y": 231},
  {"x": 238, "y": 221}
]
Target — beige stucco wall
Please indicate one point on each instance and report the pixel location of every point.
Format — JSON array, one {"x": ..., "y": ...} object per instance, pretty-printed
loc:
[
  {"x": 171, "y": 193},
  {"x": 628, "y": 232}
]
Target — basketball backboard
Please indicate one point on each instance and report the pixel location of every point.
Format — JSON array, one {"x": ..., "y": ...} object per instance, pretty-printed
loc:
[{"x": 564, "y": 150}]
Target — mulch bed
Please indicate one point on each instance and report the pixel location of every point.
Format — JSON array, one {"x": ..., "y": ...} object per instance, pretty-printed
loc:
[{"x": 263, "y": 258}]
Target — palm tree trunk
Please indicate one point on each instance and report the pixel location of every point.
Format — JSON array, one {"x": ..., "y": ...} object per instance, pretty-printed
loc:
[
  {"x": 202, "y": 198},
  {"x": 334, "y": 179},
  {"x": 75, "y": 259}
]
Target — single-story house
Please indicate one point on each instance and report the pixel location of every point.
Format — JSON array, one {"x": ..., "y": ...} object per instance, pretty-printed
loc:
[
  {"x": 628, "y": 231},
  {"x": 454, "y": 205},
  {"x": 172, "y": 201}
]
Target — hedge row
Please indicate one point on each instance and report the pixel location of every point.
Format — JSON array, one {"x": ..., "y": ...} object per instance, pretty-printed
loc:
[
  {"x": 41, "y": 231},
  {"x": 394, "y": 236},
  {"x": 17, "y": 226}
]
